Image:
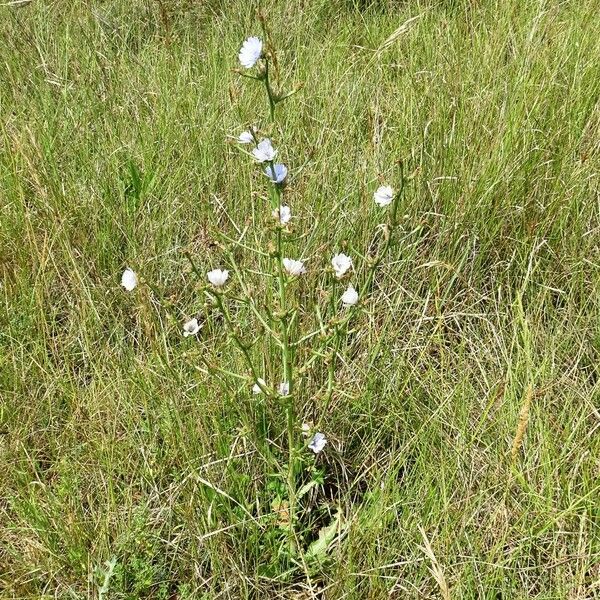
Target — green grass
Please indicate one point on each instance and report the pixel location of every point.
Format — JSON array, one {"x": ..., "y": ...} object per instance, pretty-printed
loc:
[{"x": 114, "y": 119}]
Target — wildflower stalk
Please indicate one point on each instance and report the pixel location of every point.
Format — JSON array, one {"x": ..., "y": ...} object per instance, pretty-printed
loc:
[
  {"x": 218, "y": 300},
  {"x": 284, "y": 322},
  {"x": 388, "y": 233},
  {"x": 171, "y": 313},
  {"x": 280, "y": 320},
  {"x": 250, "y": 53}
]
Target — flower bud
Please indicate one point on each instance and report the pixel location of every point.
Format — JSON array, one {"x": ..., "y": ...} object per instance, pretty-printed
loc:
[{"x": 261, "y": 72}]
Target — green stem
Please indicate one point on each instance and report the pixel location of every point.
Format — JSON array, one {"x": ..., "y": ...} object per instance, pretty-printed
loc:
[
  {"x": 274, "y": 197},
  {"x": 333, "y": 295},
  {"x": 199, "y": 275},
  {"x": 285, "y": 342},
  {"x": 269, "y": 91},
  {"x": 287, "y": 376}
]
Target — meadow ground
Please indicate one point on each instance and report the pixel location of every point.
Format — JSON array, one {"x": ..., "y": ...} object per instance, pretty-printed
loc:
[{"x": 129, "y": 471}]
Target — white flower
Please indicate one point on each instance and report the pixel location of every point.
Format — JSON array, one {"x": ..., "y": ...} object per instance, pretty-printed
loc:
[
  {"x": 256, "y": 388},
  {"x": 192, "y": 327},
  {"x": 384, "y": 195},
  {"x": 350, "y": 296},
  {"x": 341, "y": 263},
  {"x": 250, "y": 52},
  {"x": 284, "y": 388},
  {"x": 317, "y": 443},
  {"x": 129, "y": 280},
  {"x": 264, "y": 152},
  {"x": 246, "y": 137},
  {"x": 283, "y": 214},
  {"x": 217, "y": 277},
  {"x": 293, "y": 267},
  {"x": 305, "y": 429}
]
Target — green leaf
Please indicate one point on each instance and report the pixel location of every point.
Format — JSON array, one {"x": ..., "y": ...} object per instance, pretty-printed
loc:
[
  {"x": 319, "y": 548},
  {"x": 306, "y": 488}
]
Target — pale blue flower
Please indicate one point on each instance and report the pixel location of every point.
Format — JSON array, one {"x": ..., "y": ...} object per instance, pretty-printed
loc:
[
  {"x": 277, "y": 174},
  {"x": 283, "y": 214},
  {"x": 317, "y": 443},
  {"x": 246, "y": 137},
  {"x": 129, "y": 280},
  {"x": 341, "y": 263},
  {"x": 264, "y": 151},
  {"x": 218, "y": 277},
  {"x": 384, "y": 195},
  {"x": 192, "y": 327},
  {"x": 350, "y": 297},
  {"x": 250, "y": 52},
  {"x": 294, "y": 267}
]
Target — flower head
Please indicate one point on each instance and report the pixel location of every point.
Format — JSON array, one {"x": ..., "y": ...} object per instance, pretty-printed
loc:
[
  {"x": 256, "y": 389},
  {"x": 246, "y": 137},
  {"x": 192, "y": 327},
  {"x": 350, "y": 296},
  {"x": 129, "y": 280},
  {"x": 264, "y": 151},
  {"x": 341, "y": 263},
  {"x": 384, "y": 195},
  {"x": 283, "y": 214},
  {"x": 317, "y": 443},
  {"x": 284, "y": 388},
  {"x": 277, "y": 174},
  {"x": 218, "y": 277},
  {"x": 250, "y": 52},
  {"x": 294, "y": 267}
]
